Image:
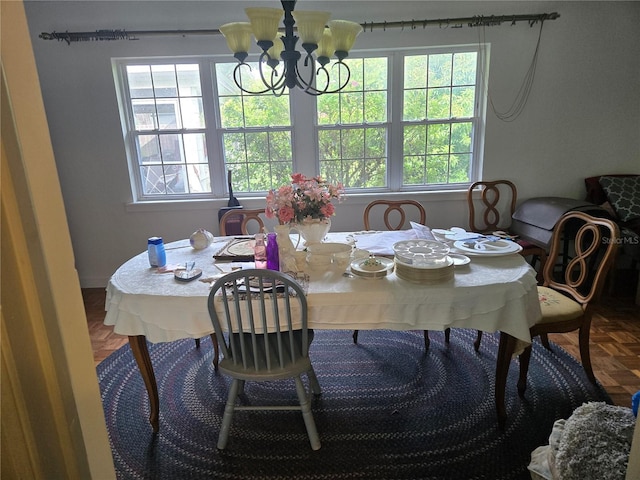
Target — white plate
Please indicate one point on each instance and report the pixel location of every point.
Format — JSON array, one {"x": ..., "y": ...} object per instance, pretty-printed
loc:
[
  {"x": 490, "y": 248},
  {"x": 446, "y": 262},
  {"x": 457, "y": 233},
  {"x": 459, "y": 260},
  {"x": 386, "y": 266}
]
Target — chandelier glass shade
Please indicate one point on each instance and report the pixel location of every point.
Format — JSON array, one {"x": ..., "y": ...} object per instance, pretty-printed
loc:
[{"x": 321, "y": 39}]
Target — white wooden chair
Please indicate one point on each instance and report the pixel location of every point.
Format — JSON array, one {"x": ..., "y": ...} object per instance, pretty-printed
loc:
[{"x": 263, "y": 335}]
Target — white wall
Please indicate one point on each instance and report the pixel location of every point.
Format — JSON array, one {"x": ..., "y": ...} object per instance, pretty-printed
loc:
[{"x": 582, "y": 118}]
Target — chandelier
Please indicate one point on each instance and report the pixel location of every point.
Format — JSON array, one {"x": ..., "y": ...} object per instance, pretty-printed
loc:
[{"x": 325, "y": 41}]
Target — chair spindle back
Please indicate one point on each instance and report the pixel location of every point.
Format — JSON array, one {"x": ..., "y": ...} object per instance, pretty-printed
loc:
[{"x": 262, "y": 311}]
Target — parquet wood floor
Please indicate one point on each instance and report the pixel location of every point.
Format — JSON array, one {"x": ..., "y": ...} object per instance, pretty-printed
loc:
[{"x": 615, "y": 342}]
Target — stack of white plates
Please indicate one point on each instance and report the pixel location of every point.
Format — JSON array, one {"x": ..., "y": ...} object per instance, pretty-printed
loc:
[
  {"x": 423, "y": 261},
  {"x": 425, "y": 275}
]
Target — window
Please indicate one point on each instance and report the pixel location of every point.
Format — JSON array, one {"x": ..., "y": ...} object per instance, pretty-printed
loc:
[
  {"x": 407, "y": 121},
  {"x": 439, "y": 98},
  {"x": 168, "y": 129}
]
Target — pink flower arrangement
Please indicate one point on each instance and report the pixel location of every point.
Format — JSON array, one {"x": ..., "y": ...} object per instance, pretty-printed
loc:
[{"x": 304, "y": 199}]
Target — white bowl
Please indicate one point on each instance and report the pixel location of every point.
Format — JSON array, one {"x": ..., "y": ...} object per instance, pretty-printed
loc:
[
  {"x": 329, "y": 248},
  {"x": 323, "y": 255},
  {"x": 318, "y": 261}
]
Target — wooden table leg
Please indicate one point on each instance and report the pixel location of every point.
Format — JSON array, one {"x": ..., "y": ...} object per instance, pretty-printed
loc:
[
  {"x": 505, "y": 352},
  {"x": 216, "y": 351},
  {"x": 138, "y": 344}
]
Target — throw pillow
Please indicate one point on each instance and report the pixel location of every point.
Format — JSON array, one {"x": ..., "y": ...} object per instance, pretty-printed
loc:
[
  {"x": 595, "y": 443},
  {"x": 624, "y": 195}
]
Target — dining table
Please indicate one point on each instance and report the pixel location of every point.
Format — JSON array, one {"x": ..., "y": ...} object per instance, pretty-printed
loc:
[{"x": 490, "y": 293}]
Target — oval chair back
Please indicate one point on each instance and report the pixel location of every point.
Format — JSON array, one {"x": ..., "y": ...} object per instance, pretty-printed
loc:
[
  {"x": 497, "y": 204},
  {"x": 247, "y": 216},
  {"x": 396, "y": 207},
  {"x": 593, "y": 246}
]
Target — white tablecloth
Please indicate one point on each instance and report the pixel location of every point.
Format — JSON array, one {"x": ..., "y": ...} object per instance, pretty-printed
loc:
[{"x": 489, "y": 294}]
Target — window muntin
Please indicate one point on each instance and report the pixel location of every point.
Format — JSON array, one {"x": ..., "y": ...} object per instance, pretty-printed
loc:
[{"x": 187, "y": 120}]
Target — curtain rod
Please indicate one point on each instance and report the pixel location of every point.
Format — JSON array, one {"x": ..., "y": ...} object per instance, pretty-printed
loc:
[{"x": 475, "y": 21}]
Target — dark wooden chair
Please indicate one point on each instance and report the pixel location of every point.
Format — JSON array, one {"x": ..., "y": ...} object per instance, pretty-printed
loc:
[
  {"x": 404, "y": 209},
  {"x": 568, "y": 293},
  {"x": 497, "y": 204},
  {"x": 567, "y": 297},
  {"x": 247, "y": 216},
  {"x": 498, "y": 200},
  {"x": 400, "y": 207}
]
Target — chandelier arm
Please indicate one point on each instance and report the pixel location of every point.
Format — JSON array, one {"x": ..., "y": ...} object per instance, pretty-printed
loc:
[
  {"x": 278, "y": 89},
  {"x": 270, "y": 85},
  {"x": 308, "y": 89},
  {"x": 323, "y": 69},
  {"x": 311, "y": 90},
  {"x": 236, "y": 80},
  {"x": 309, "y": 86}
]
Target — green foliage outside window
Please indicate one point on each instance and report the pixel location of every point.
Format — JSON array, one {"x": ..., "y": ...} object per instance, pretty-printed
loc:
[
  {"x": 349, "y": 153},
  {"x": 438, "y": 110},
  {"x": 256, "y": 131}
]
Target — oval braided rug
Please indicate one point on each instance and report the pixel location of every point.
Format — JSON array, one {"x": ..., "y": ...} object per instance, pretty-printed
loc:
[{"x": 388, "y": 411}]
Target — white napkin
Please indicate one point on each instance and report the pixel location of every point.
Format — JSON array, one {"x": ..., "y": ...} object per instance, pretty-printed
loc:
[
  {"x": 381, "y": 243},
  {"x": 422, "y": 231}
]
